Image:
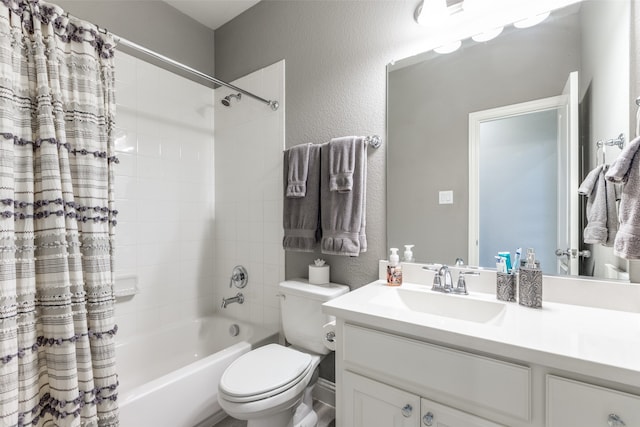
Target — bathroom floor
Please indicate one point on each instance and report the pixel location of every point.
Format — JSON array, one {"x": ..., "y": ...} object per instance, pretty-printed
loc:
[{"x": 326, "y": 417}]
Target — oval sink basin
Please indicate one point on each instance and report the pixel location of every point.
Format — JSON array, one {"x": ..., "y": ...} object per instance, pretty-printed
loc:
[{"x": 459, "y": 307}]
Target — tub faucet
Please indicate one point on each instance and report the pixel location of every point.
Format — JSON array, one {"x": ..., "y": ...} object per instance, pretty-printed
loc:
[{"x": 239, "y": 298}]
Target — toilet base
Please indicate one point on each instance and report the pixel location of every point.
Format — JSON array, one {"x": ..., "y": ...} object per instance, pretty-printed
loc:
[
  {"x": 280, "y": 419},
  {"x": 301, "y": 415},
  {"x": 305, "y": 416},
  {"x": 309, "y": 420},
  {"x": 287, "y": 419}
]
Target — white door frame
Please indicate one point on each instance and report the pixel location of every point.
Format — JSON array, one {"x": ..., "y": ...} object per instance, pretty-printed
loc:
[{"x": 475, "y": 119}]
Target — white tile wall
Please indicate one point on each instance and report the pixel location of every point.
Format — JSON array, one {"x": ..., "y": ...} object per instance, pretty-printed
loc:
[
  {"x": 165, "y": 193},
  {"x": 168, "y": 232},
  {"x": 249, "y": 140}
]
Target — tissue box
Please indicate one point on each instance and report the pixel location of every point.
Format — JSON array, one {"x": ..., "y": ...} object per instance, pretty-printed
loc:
[{"x": 318, "y": 275}]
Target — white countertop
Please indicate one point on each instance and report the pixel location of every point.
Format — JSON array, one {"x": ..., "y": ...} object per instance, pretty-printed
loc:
[{"x": 596, "y": 342}]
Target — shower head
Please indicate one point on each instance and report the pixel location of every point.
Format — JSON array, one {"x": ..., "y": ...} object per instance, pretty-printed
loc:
[{"x": 226, "y": 101}]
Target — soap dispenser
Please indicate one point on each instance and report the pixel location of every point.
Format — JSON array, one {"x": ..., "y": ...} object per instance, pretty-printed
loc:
[
  {"x": 530, "y": 282},
  {"x": 394, "y": 269},
  {"x": 408, "y": 254}
]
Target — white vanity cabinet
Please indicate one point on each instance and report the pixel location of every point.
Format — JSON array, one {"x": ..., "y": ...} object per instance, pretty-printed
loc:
[
  {"x": 483, "y": 386},
  {"x": 370, "y": 403},
  {"x": 576, "y": 403},
  {"x": 389, "y": 380}
]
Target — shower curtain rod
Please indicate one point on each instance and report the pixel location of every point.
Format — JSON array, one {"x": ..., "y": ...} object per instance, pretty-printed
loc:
[{"x": 124, "y": 42}]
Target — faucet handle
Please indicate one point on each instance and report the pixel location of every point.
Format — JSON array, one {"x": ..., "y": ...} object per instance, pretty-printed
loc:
[
  {"x": 461, "y": 287},
  {"x": 437, "y": 282},
  {"x": 239, "y": 277}
]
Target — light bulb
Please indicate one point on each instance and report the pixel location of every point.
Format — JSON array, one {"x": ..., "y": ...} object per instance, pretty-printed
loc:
[
  {"x": 488, "y": 35},
  {"x": 449, "y": 47}
]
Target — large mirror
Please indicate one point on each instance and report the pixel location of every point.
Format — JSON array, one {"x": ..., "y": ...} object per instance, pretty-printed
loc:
[{"x": 434, "y": 99}]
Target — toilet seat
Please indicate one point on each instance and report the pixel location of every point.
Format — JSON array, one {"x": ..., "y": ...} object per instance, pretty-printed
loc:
[{"x": 264, "y": 372}]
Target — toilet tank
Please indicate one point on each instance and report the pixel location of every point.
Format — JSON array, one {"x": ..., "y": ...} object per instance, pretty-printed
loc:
[{"x": 302, "y": 316}]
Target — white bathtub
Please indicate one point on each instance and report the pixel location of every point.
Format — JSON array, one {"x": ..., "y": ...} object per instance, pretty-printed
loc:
[{"x": 171, "y": 378}]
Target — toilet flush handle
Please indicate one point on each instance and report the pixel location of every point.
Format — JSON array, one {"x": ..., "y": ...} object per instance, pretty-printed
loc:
[{"x": 331, "y": 336}]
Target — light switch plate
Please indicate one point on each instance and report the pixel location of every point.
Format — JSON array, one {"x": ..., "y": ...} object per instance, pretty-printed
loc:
[{"x": 445, "y": 197}]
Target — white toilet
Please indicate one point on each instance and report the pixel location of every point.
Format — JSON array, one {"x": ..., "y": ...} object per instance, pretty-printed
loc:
[{"x": 271, "y": 386}]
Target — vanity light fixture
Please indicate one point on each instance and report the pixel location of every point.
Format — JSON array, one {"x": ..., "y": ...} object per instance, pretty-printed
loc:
[
  {"x": 488, "y": 35},
  {"x": 431, "y": 12},
  {"x": 449, "y": 47},
  {"x": 531, "y": 21}
]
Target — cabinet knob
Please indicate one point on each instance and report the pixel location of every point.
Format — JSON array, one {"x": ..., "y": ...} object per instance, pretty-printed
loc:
[
  {"x": 428, "y": 419},
  {"x": 615, "y": 421},
  {"x": 406, "y": 411}
]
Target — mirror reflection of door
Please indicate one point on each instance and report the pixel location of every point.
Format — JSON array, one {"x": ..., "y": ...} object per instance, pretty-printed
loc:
[
  {"x": 568, "y": 179},
  {"x": 520, "y": 193}
]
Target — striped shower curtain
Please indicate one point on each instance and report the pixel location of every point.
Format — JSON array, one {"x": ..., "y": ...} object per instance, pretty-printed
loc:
[{"x": 57, "y": 218}]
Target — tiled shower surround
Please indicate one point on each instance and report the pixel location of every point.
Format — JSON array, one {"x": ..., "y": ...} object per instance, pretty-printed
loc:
[
  {"x": 248, "y": 209},
  {"x": 178, "y": 233}
]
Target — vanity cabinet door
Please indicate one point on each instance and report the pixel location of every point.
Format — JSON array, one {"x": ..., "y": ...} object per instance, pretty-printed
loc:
[
  {"x": 436, "y": 415},
  {"x": 573, "y": 403},
  {"x": 368, "y": 403}
]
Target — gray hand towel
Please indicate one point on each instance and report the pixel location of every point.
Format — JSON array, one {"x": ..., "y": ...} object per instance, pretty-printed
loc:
[
  {"x": 301, "y": 214},
  {"x": 342, "y": 160},
  {"x": 298, "y": 158},
  {"x": 343, "y": 213},
  {"x": 602, "y": 219},
  {"x": 626, "y": 169}
]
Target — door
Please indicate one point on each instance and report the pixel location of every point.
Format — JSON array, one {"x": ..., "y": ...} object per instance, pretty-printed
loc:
[
  {"x": 513, "y": 185},
  {"x": 436, "y": 415},
  {"x": 369, "y": 403},
  {"x": 568, "y": 140}
]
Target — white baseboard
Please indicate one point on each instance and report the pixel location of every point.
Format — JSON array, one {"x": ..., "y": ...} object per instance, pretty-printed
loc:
[
  {"x": 325, "y": 392},
  {"x": 212, "y": 420}
]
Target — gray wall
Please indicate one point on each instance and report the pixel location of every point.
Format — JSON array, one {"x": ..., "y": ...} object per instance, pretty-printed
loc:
[
  {"x": 335, "y": 53},
  {"x": 605, "y": 78},
  {"x": 154, "y": 25}
]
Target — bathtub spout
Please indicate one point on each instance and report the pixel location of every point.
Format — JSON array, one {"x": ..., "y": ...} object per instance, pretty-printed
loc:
[{"x": 239, "y": 298}]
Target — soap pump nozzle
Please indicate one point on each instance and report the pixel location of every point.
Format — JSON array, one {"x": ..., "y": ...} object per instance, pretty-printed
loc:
[
  {"x": 531, "y": 258},
  {"x": 394, "y": 258}
]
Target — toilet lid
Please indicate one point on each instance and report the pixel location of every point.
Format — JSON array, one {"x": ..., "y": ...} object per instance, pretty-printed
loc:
[{"x": 264, "y": 369}]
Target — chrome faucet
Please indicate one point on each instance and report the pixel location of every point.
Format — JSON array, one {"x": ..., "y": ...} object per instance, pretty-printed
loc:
[
  {"x": 447, "y": 280},
  {"x": 442, "y": 280},
  {"x": 239, "y": 298}
]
